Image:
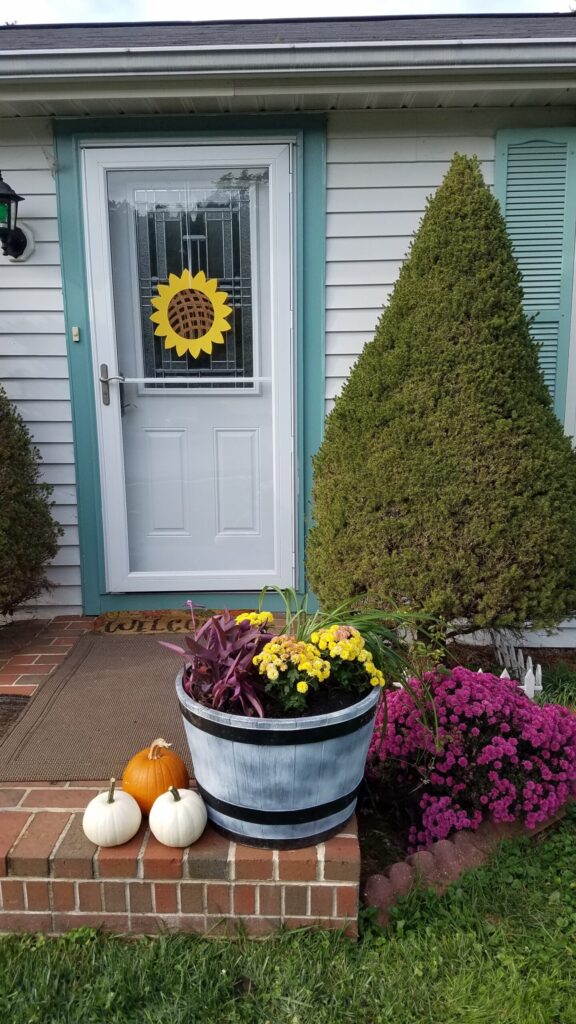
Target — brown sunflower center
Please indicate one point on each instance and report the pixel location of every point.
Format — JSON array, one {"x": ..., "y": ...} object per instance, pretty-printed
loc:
[{"x": 190, "y": 314}]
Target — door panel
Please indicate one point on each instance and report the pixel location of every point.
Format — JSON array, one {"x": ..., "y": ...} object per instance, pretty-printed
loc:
[{"x": 190, "y": 268}]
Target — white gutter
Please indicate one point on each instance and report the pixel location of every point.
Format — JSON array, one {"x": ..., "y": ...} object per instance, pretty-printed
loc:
[{"x": 286, "y": 58}]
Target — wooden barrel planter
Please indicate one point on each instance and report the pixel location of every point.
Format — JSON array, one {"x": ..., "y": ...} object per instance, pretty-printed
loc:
[{"x": 279, "y": 782}]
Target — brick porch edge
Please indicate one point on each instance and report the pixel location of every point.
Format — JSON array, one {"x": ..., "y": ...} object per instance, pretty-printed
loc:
[
  {"x": 53, "y": 879},
  {"x": 443, "y": 863}
]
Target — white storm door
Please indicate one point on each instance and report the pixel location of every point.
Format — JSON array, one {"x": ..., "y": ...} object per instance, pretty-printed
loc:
[{"x": 195, "y": 423}]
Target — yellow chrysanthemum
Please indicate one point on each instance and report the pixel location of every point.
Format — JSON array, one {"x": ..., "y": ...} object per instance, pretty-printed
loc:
[
  {"x": 347, "y": 643},
  {"x": 287, "y": 651},
  {"x": 302, "y": 687},
  {"x": 256, "y": 619},
  {"x": 191, "y": 313}
]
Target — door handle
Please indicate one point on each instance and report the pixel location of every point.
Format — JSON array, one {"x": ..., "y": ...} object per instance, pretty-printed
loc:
[{"x": 105, "y": 381}]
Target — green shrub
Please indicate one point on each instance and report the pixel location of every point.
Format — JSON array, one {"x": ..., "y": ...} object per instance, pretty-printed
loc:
[
  {"x": 444, "y": 481},
  {"x": 28, "y": 533}
]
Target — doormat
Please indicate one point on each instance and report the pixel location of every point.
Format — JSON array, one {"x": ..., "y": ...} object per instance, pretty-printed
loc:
[
  {"x": 173, "y": 621},
  {"x": 110, "y": 698}
]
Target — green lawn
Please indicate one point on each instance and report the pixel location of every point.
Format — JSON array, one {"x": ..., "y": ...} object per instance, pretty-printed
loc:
[
  {"x": 500, "y": 948},
  {"x": 559, "y": 685}
]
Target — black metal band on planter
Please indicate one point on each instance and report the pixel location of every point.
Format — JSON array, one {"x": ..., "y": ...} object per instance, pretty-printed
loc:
[
  {"x": 296, "y": 817},
  {"x": 279, "y": 738},
  {"x": 277, "y": 844}
]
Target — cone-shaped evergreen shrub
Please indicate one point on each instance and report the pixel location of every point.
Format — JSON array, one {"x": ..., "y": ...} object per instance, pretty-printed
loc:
[
  {"x": 28, "y": 534},
  {"x": 444, "y": 479}
]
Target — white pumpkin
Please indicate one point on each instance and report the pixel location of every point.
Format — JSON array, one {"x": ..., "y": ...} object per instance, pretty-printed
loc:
[
  {"x": 178, "y": 817},
  {"x": 111, "y": 819}
]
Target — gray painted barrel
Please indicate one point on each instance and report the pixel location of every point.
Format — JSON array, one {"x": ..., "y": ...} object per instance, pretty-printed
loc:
[{"x": 280, "y": 782}]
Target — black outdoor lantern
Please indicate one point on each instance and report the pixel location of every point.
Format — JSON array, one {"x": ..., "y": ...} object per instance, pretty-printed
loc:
[{"x": 12, "y": 238}]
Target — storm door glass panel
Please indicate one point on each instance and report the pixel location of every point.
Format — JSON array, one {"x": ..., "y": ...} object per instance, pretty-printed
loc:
[
  {"x": 190, "y": 255},
  {"x": 205, "y": 222}
]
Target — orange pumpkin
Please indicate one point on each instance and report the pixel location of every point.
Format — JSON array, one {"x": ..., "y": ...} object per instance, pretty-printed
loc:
[{"x": 153, "y": 771}]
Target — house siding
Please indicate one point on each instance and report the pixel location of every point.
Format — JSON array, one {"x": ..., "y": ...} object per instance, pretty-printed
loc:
[
  {"x": 379, "y": 176},
  {"x": 381, "y": 167},
  {"x": 33, "y": 363}
]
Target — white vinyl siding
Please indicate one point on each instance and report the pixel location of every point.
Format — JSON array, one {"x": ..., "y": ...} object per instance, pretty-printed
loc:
[
  {"x": 378, "y": 177},
  {"x": 382, "y": 166},
  {"x": 33, "y": 363}
]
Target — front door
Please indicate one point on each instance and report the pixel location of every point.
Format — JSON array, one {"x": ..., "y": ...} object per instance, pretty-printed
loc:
[{"x": 190, "y": 270}]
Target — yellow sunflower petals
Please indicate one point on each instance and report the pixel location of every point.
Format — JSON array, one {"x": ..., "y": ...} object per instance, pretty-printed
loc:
[{"x": 181, "y": 345}]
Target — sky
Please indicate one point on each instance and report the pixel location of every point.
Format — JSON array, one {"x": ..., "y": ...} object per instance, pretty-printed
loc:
[{"x": 26, "y": 12}]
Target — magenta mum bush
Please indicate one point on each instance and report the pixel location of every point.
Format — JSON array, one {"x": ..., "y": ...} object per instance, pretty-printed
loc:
[{"x": 472, "y": 746}]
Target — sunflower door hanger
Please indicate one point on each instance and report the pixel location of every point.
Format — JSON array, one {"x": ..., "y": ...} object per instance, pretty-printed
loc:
[{"x": 191, "y": 314}]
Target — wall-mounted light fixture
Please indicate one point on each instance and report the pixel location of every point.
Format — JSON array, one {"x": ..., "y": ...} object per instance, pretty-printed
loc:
[{"x": 14, "y": 240}]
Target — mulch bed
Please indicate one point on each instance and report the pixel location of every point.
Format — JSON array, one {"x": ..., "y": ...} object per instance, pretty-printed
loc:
[
  {"x": 382, "y": 842},
  {"x": 383, "y": 826},
  {"x": 15, "y": 635},
  {"x": 485, "y": 658},
  {"x": 10, "y": 710}
]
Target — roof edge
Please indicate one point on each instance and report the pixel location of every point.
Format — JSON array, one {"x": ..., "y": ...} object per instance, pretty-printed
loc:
[{"x": 339, "y": 19}]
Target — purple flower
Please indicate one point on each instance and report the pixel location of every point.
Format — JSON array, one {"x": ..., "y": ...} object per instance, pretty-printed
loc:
[{"x": 495, "y": 753}]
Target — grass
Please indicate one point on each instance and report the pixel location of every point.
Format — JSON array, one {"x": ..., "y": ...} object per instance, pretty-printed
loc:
[
  {"x": 559, "y": 685},
  {"x": 500, "y": 948}
]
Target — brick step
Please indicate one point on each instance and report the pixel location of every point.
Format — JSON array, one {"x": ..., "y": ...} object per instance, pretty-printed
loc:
[{"x": 52, "y": 878}]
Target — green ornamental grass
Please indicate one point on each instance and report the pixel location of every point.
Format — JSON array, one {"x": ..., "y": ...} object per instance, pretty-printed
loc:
[
  {"x": 445, "y": 482},
  {"x": 559, "y": 685}
]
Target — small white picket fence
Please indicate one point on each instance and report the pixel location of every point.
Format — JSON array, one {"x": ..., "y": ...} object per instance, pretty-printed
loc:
[{"x": 515, "y": 667}]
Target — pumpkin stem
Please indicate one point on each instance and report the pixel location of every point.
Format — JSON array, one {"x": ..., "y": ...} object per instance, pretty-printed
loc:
[
  {"x": 175, "y": 793},
  {"x": 156, "y": 748},
  {"x": 110, "y": 799}
]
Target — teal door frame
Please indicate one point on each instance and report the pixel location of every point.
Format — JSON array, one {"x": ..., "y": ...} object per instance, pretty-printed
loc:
[{"x": 309, "y": 133}]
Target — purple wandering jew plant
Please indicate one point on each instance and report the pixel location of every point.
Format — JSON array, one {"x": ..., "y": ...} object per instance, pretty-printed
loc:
[{"x": 219, "y": 670}]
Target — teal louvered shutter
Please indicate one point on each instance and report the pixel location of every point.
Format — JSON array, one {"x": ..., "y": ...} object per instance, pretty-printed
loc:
[{"x": 535, "y": 183}]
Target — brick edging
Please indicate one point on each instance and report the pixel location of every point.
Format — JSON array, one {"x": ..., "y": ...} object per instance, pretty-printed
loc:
[{"x": 443, "y": 863}]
